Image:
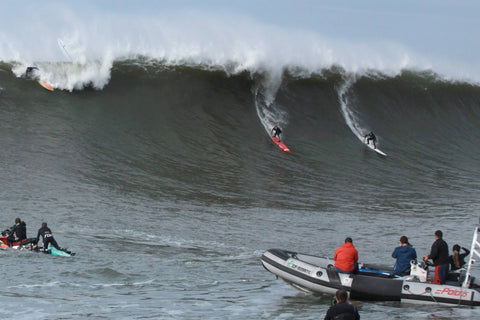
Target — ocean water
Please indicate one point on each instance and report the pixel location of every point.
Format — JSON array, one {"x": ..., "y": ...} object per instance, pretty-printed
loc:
[
  {"x": 152, "y": 161},
  {"x": 167, "y": 186}
]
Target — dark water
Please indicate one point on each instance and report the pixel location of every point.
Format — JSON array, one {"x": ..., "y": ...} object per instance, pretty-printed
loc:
[{"x": 168, "y": 187}]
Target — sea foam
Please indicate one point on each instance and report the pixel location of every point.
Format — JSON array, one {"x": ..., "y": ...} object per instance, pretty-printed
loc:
[{"x": 78, "y": 49}]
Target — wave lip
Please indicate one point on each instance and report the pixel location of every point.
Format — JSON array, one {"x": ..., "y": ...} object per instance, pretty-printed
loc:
[{"x": 78, "y": 55}]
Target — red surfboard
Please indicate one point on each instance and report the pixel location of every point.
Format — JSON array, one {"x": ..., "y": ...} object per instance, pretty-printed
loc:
[{"x": 280, "y": 144}]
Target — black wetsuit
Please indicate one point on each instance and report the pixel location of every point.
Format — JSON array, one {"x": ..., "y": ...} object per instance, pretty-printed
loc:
[
  {"x": 372, "y": 137},
  {"x": 47, "y": 238},
  {"x": 17, "y": 233},
  {"x": 342, "y": 311},
  {"x": 276, "y": 132}
]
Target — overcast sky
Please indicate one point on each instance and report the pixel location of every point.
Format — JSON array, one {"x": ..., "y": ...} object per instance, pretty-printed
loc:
[{"x": 448, "y": 28}]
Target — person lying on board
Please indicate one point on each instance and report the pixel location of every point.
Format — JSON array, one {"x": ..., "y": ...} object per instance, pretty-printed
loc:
[
  {"x": 372, "y": 137},
  {"x": 275, "y": 132}
]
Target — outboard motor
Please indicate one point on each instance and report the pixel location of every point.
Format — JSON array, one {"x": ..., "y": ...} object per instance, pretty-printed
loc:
[{"x": 419, "y": 270}]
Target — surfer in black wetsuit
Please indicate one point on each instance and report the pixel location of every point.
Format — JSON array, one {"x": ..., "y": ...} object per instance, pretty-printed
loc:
[
  {"x": 372, "y": 137},
  {"x": 17, "y": 233},
  {"x": 276, "y": 132},
  {"x": 47, "y": 237}
]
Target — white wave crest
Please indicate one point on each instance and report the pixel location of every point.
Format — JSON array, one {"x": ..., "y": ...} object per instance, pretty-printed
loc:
[{"x": 80, "y": 48}]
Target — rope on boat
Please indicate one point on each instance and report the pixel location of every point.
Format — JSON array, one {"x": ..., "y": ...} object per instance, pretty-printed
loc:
[{"x": 427, "y": 291}]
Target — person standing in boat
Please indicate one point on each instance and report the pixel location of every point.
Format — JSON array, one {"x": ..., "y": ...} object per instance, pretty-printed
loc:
[
  {"x": 342, "y": 309},
  {"x": 457, "y": 260},
  {"x": 346, "y": 257},
  {"x": 439, "y": 256},
  {"x": 404, "y": 254},
  {"x": 275, "y": 132}
]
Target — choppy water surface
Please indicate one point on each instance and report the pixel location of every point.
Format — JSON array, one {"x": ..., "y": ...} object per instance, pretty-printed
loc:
[{"x": 167, "y": 186}]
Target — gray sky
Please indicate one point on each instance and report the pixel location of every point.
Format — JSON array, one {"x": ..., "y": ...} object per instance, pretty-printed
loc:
[
  {"x": 449, "y": 27},
  {"x": 438, "y": 33}
]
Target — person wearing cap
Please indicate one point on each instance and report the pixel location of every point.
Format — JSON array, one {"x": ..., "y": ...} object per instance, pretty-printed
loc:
[
  {"x": 439, "y": 256},
  {"x": 404, "y": 254},
  {"x": 346, "y": 257}
]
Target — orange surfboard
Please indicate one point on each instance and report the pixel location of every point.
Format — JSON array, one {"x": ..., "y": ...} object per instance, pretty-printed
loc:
[{"x": 45, "y": 85}]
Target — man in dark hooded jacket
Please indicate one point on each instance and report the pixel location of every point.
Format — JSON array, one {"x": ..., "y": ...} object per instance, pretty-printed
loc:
[{"x": 18, "y": 232}]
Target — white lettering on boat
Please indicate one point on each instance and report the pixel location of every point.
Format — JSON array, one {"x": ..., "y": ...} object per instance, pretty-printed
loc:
[{"x": 295, "y": 266}]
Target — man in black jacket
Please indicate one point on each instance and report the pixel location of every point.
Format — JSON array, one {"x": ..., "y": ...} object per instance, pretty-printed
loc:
[
  {"x": 439, "y": 256},
  {"x": 17, "y": 233},
  {"x": 342, "y": 310},
  {"x": 47, "y": 237}
]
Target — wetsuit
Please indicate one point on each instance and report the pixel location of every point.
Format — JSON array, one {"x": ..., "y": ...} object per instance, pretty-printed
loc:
[
  {"x": 47, "y": 238},
  {"x": 276, "y": 132},
  {"x": 17, "y": 233},
  {"x": 439, "y": 256},
  {"x": 342, "y": 311},
  {"x": 372, "y": 137}
]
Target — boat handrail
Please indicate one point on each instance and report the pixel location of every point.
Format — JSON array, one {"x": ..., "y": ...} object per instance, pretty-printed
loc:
[{"x": 474, "y": 252}]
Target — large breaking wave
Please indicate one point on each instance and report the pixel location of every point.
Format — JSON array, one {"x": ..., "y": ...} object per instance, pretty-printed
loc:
[{"x": 78, "y": 49}]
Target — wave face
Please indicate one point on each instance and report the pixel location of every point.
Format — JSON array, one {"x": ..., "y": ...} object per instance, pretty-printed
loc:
[
  {"x": 196, "y": 133},
  {"x": 175, "y": 165},
  {"x": 152, "y": 158}
]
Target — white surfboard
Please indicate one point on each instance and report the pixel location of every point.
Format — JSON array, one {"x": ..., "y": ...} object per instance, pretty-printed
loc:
[{"x": 370, "y": 145}]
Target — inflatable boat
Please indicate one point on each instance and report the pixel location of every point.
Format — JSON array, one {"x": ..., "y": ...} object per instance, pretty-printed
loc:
[{"x": 315, "y": 274}]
